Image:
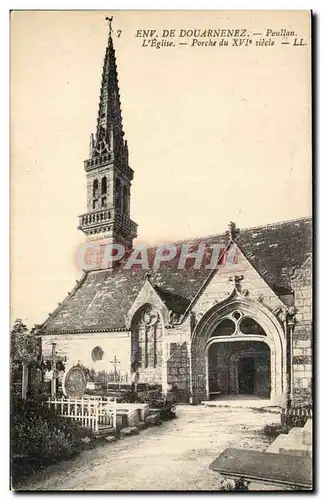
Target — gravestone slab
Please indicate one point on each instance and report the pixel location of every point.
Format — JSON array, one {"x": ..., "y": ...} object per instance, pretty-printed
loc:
[
  {"x": 74, "y": 382},
  {"x": 270, "y": 468}
]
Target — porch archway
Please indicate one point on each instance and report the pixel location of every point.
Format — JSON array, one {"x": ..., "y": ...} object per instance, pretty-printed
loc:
[{"x": 261, "y": 327}]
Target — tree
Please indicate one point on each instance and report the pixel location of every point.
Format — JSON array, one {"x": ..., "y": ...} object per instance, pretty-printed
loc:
[
  {"x": 24, "y": 349},
  {"x": 24, "y": 344}
]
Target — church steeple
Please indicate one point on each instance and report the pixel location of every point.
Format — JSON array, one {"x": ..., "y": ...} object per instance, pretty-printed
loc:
[
  {"x": 109, "y": 131},
  {"x": 108, "y": 172}
]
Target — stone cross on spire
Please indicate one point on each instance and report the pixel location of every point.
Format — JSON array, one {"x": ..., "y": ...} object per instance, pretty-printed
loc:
[{"x": 233, "y": 231}]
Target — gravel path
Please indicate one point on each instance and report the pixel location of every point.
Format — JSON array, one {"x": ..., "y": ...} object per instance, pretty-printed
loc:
[{"x": 174, "y": 456}]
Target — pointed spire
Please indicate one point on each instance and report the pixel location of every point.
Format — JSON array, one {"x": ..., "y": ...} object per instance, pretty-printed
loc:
[
  {"x": 106, "y": 217},
  {"x": 109, "y": 132}
]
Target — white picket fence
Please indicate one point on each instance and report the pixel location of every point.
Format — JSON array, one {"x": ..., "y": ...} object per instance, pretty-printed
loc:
[{"x": 89, "y": 412}]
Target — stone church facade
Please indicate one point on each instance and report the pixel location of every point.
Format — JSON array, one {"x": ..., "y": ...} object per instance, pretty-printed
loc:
[{"x": 242, "y": 328}]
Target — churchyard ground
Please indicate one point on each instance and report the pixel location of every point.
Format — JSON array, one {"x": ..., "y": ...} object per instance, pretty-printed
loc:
[{"x": 174, "y": 456}]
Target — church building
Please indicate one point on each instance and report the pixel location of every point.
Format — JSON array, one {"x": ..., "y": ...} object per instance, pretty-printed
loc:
[{"x": 242, "y": 329}]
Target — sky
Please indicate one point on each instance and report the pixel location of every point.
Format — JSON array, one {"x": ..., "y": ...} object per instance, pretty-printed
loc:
[{"x": 214, "y": 133}]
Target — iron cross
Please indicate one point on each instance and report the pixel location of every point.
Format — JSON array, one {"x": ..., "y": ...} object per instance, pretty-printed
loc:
[
  {"x": 115, "y": 362},
  {"x": 109, "y": 20}
]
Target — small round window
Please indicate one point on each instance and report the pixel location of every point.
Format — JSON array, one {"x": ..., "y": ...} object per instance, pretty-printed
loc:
[
  {"x": 237, "y": 315},
  {"x": 97, "y": 353}
]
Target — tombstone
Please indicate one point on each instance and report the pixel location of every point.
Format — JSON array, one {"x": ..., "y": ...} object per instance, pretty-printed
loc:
[{"x": 74, "y": 382}]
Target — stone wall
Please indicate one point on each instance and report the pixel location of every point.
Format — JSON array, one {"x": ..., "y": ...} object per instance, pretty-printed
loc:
[
  {"x": 178, "y": 370},
  {"x": 302, "y": 335},
  {"x": 150, "y": 376}
]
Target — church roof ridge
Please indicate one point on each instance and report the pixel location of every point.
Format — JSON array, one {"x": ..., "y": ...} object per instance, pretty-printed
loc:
[
  {"x": 223, "y": 234},
  {"x": 278, "y": 223}
]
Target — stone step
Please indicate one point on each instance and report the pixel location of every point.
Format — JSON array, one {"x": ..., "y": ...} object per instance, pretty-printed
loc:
[
  {"x": 141, "y": 426},
  {"x": 153, "y": 419},
  {"x": 277, "y": 443},
  {"x": 110, "y": 439},
  {"x": 296, "y": 433},
  {"x": 128, "y": 431},
  {"x": 105, "y": 431},
  {"x": 292, "y": 446},
  {"x": 307, "y": 433}
]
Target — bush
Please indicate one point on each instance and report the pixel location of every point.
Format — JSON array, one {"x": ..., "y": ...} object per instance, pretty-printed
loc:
[
  {"x": 40, "y": 437},
  {"x": 273, "y": 430},
  {"x": 234, "y": 485}
]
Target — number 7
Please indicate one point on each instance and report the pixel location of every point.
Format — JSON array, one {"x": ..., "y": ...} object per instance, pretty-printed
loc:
[{"x": 119, "y": 33}]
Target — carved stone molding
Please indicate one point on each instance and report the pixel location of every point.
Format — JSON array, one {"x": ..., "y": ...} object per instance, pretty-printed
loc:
[
  {"x": 296, "y": 273},
  {"x": 288, "y": 315}
]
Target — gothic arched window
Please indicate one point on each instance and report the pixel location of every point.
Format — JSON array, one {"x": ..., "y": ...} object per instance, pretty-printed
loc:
[
  {"x": 238, "y": 324},
  {"x": 249, "y": 326},
  {"x": 225, "y": 327}
]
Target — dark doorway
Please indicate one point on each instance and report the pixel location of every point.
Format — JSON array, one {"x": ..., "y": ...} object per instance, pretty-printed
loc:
[
  {"x": 246, "y": 376},
  {"x": 239, "y": 368}
]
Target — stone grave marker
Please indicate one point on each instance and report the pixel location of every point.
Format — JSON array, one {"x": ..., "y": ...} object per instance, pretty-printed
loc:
[{"x": 74, "y": 382}]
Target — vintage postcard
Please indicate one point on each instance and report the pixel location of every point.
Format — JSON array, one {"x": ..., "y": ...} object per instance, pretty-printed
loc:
[{"x": 161, "y": 250}]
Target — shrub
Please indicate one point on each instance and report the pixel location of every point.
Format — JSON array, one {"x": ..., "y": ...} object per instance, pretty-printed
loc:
[
  {"x": 234, "y": 485},
  {"x": 40, "y": 437},
  {"x": 273, "y": 430}
]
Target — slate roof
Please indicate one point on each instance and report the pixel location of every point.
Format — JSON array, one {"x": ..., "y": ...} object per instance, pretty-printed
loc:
[{"x": 101, "y": 299}]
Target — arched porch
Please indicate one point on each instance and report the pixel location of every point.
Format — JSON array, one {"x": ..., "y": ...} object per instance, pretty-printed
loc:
[{"x": 238, "y": 340}]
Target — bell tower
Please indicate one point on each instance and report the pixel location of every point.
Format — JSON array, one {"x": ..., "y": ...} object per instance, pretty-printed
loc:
[{"x": 108, "y": 173}]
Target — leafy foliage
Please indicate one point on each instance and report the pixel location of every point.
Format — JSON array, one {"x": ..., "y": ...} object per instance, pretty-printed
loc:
[
  {"x": 40, "y": 437},
  {"x": 24, "y": 345}
]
